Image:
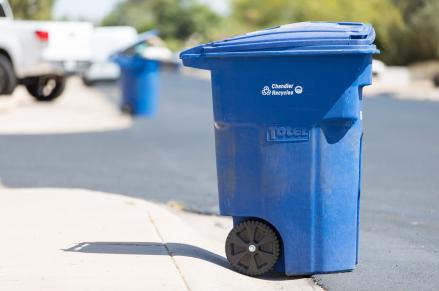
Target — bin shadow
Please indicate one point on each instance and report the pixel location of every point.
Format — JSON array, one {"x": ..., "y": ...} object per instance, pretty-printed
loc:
[
  {"x": 151, "y": 249},
  {"x": 164, "y": 249}
]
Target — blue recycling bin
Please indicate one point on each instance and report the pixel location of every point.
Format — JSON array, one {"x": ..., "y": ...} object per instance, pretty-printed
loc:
[
  {"x": 139, "y": 83},
  {"x": 288, "y": 128}
]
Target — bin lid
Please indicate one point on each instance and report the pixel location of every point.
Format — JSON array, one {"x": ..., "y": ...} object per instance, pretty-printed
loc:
[
  {"x": 141, "y": 38},
  {"x": 295, "y": 38}
]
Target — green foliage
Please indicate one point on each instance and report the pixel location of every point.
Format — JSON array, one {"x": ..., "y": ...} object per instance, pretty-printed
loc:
[
  {"x": 409, "y": 7},
  {"x": 32, "y": 9},
  {"x": 407, "y": 30},
  {"x": 425, "y": 24},
  {"x": 421, "y": 40},
  {"x": 258, "y": 13},
  {"x": 175, "y": 19}
]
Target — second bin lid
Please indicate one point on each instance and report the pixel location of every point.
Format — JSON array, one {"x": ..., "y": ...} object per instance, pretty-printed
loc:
[{"x": 303, "y": 36}]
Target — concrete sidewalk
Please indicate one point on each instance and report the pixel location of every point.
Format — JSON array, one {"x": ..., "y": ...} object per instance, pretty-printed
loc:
[
  {"x": 79, "y": 109},
  {"x": 399, "y": 82},
  {"x": 68, "y": 239}
]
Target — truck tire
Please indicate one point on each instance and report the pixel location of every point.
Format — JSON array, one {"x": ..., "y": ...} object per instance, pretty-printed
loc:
[
  {"x": 87, "y": 82},
  {"x": 436, "y": 80},
  {"x": 8, "y": 80},
  {"x": 46, "y": 88}
]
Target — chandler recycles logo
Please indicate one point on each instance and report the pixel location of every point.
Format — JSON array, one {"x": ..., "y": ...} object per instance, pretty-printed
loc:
[
  {"x": 282, "y": 90},
  {"x": 266, "y": 91}
]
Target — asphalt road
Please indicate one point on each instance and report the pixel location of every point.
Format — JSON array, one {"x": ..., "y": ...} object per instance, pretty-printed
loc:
[{"x": 172, "y": 157}]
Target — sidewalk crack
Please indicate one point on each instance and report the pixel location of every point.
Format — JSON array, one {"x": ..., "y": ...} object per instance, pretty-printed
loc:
[{"x": 171, "y": 255}]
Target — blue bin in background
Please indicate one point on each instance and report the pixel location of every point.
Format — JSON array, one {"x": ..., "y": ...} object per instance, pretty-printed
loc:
[
  {"x": 139, "y": 82},
  {"x": 288, "y": 129}
]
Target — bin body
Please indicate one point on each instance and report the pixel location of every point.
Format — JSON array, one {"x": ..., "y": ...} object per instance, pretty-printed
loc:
[
  {"x": 139, "y": 83},
  {"x": 288, "y": 130}
]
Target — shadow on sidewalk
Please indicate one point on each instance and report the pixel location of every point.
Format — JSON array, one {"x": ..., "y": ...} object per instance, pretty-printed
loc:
[
  {"x": 150, "y": 248},
  {"x": 166, "y": 249}
]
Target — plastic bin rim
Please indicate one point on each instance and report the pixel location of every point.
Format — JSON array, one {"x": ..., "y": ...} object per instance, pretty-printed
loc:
[{"x": 371, "y": 49}]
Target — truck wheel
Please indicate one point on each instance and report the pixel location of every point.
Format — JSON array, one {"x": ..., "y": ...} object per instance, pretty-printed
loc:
[
  {"x": 46, "y": 88},
  {"x": 87, "y": 82},
  {"x": 436, "y": 80},
  {"x": 252, "y": 248},
  {"x": 8, "y": 80}
]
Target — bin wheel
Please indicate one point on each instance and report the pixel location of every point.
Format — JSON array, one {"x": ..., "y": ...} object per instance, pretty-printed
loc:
[{"x": 252, "y": 248}]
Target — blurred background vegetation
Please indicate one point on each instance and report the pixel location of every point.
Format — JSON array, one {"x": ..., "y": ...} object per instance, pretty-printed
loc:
[
  {"x": 407, "y": 30},
  {"x": 32, "y": 9},
  {"x": 176, "y": 20}
]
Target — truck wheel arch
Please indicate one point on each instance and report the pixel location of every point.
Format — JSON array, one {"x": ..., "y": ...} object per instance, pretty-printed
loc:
[{"x": 6, "y": 54}]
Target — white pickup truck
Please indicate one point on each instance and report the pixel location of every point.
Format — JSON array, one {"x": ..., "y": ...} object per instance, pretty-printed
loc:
[{"x": 40, "y": 54}]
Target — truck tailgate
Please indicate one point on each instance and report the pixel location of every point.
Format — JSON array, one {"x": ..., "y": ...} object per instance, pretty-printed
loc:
[{"x": 68, "y": 41}]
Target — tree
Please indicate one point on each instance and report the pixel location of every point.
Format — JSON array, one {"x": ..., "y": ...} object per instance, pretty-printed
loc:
[
  {"x": 425, "y": 32},
  {"x": 407, "y": 30},
  {"x": 420, "y": 40},
  {"x": 409, "y": 7},
  {"x": 32, "y": 9},
  {"x": 176, "y": 20},
  {"x": 256, "y": 14}
]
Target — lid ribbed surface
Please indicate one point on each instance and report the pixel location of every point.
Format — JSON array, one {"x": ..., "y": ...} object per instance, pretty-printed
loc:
[{"x": 295, "y": 38}]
